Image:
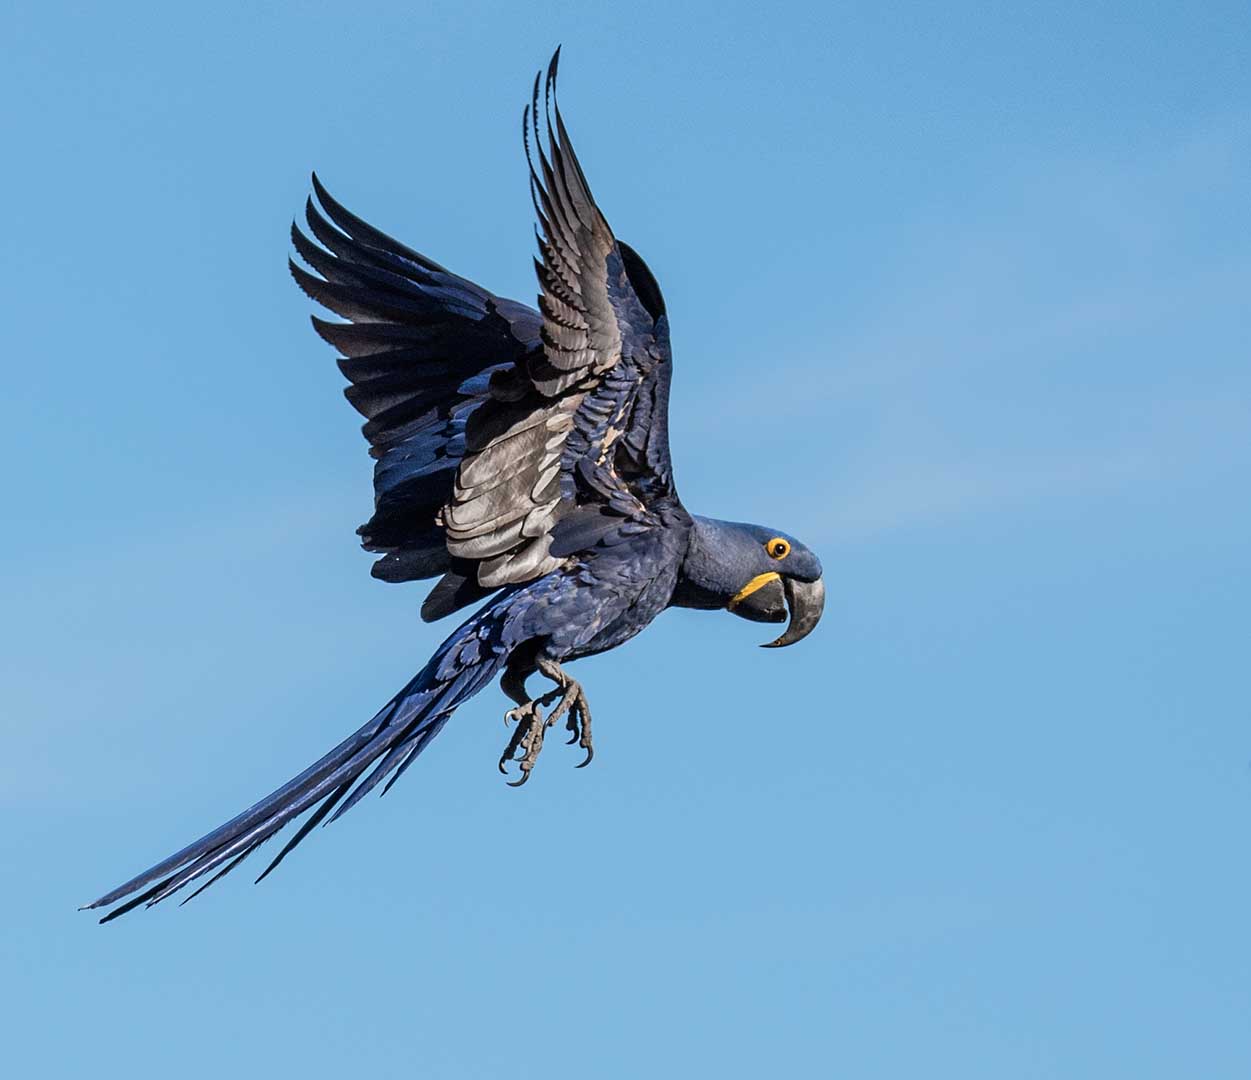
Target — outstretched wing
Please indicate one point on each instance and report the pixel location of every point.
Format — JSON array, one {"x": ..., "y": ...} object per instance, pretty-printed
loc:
[
  {"x": 419, "y": 352},
  {"x": 506, "y": 440},
  {"x": 585, "y": 444}
]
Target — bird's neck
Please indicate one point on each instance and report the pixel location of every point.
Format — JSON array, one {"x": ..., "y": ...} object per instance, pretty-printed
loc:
[{"x": 707, "y": 577}]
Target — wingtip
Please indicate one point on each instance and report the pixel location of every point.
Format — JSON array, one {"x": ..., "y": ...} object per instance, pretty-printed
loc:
[
  {"x": 549, "y": 83},
  {"x": 323, "y": 196},
  {"x": 295, "y": 272},
  {"x": 299, "y": 241}
]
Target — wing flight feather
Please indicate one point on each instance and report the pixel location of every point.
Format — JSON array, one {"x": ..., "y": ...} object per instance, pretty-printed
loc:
[{"x": 492, "y": 423}]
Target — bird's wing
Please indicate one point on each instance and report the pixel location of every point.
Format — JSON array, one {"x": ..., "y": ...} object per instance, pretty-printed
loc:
[
  {"x": 584, "y": 444},
  {"x": 505, "y": 439},
  {"x": 419, "y": 351}
]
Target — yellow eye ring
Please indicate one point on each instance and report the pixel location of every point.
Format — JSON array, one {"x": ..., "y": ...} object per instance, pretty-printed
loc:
[{"x": 778, "y": 548}]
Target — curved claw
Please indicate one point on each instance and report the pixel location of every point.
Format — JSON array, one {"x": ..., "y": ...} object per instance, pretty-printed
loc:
[
  {"x": 574, "y": 725},
  {"x": 590, "y": 753},
  {"x": 518, "y": 783},
  {"x": 502, "y": 766}
]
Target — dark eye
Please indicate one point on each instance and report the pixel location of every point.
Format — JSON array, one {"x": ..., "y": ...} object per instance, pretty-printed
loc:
[{"x": 778, "y": 548}]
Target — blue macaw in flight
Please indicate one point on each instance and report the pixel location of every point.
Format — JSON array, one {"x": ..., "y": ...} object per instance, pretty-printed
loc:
[{"x": 523, "y": 456}]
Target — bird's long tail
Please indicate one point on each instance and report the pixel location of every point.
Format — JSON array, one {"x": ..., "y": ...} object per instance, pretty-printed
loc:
[{"x": 384, "y": 747}]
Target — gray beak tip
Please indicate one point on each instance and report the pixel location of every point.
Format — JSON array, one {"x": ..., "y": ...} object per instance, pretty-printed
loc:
[{"x": 806, "y": 601}]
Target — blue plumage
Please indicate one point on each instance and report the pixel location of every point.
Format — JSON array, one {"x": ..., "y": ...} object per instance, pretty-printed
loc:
[{"x": 521, "y": 455}]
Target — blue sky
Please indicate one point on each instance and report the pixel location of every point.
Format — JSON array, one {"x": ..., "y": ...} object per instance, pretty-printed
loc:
[{"x": 959, "y": 296}]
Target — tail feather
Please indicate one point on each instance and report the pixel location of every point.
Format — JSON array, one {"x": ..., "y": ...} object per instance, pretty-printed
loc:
[
  {"x": 401, "y": 755},
  {"x": 314, "y": 819},
  {"x": 389, "y": 742}
]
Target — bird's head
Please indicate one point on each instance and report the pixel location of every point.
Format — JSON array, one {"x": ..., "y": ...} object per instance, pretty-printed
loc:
[{"x": 757, "y": 573}]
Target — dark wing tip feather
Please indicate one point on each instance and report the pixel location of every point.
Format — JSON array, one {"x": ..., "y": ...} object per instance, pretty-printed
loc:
[
  {"x": 549, "y": 82},
  {"x": 361, "y": 231},
  {"x": 301, "y": 277}
]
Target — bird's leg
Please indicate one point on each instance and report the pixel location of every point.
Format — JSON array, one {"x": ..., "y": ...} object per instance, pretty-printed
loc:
[
  {"x": 527, "y": 739},
  {"x": 572, "y": 701},
  {"x": 531, "y": 727}
]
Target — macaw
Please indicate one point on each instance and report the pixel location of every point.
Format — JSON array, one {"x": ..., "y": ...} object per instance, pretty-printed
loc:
[{"x": 522, "y": 457}]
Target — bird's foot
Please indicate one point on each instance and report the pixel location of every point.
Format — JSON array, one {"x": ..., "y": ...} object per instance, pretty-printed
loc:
[
  {"x": 526, "y": 739},
  {"x": 574, "y": 707}
]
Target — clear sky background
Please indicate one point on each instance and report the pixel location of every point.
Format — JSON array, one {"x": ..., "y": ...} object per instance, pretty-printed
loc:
[{"x": 960, "y": 295}]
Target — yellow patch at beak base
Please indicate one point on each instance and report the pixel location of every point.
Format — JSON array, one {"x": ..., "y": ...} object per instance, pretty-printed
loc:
[{"x": 755, "y": 583}]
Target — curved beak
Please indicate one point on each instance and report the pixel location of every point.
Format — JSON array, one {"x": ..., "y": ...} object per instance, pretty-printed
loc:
[{"x": 806, "y": 601}]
